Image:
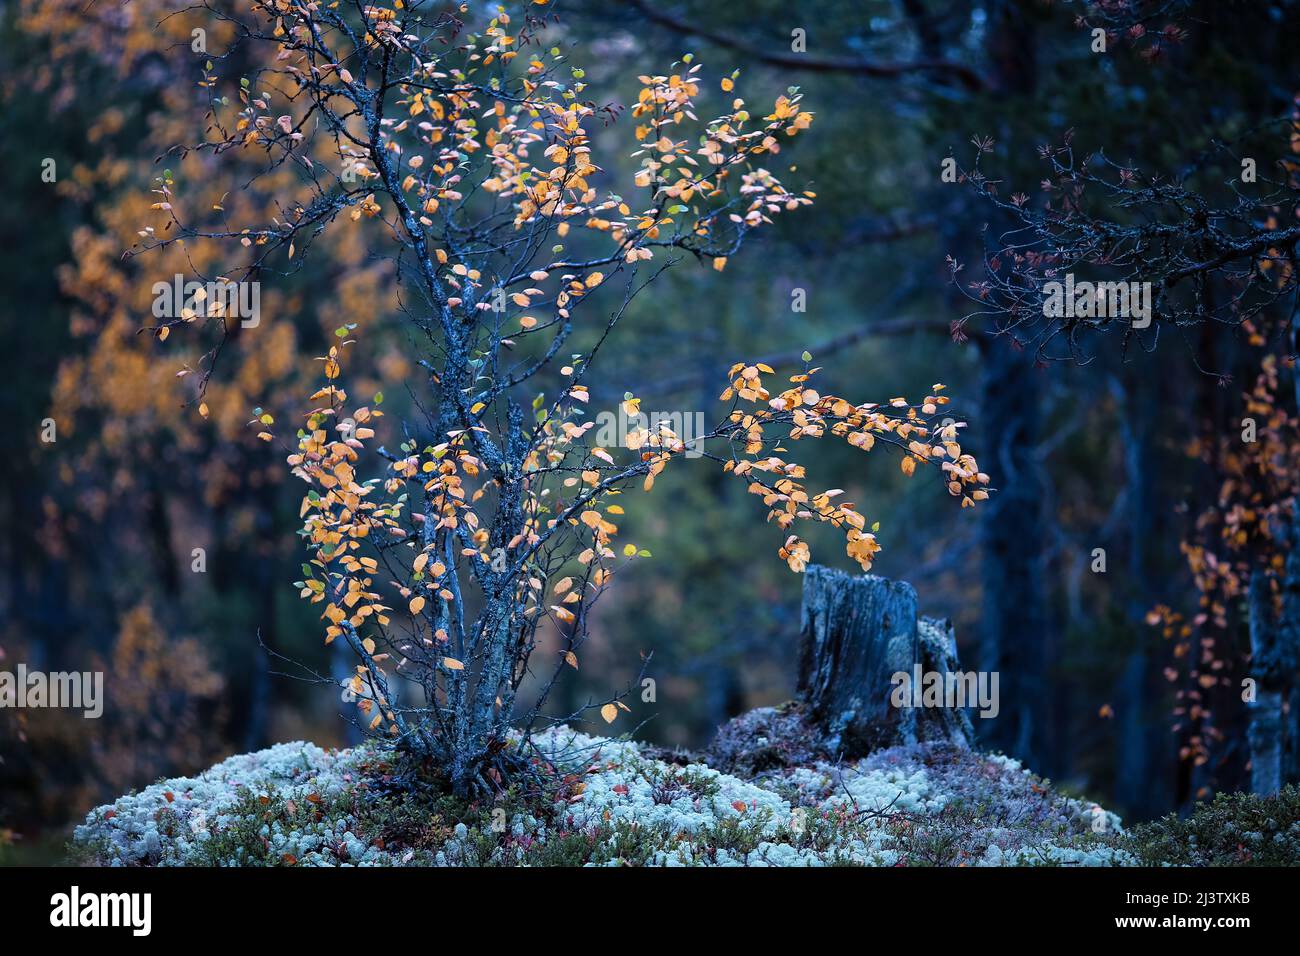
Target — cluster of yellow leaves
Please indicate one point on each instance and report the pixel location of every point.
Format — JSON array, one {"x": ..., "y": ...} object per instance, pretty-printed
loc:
[
  {"x": 338, "y": 517},
  {"x": 535, "y": 141},
  {"x": 809, "y": 414},
  {"x": 679, "y": 181}
]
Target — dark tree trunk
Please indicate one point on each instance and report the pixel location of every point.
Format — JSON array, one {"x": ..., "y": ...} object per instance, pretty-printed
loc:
[
  {"x": 259, "y": 694},
  {"x": 1014, "y": 638},
  {"x": 160, "y": 537},
  {"x": 1274, "y": 656},
  {"x": 1267, "y": 653},
  {"x": 1290, "y": 623},
  {"x": 1141, "y": 788}
]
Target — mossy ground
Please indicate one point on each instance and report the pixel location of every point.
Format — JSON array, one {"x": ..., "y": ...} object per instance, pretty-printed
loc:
[{"x": 600, "y": 802}]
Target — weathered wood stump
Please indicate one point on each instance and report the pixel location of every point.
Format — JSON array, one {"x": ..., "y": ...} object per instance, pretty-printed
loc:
[
  {"x": 938, "y": 645},
  {"x": 855, "y": 633},
  {"x": 858, "y": 632}
]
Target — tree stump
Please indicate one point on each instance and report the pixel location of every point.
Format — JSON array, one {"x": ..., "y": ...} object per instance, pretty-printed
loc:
[
  {"x": 938, "y": 645},
  {"x": 857, "y": 633}
]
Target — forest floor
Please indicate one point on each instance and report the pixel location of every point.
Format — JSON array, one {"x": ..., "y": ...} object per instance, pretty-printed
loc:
[{"x": 613, "y": 802}]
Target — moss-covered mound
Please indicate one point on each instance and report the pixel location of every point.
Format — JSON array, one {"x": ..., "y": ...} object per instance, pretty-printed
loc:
[{"x": 603, "y": 802}]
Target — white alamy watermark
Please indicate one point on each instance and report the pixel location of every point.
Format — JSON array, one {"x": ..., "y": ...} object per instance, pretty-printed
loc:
[
  {"x": 132, "y": 910},
  {"x": 179, "y": 299},
  {"x": 74, "y": 690},
  {"x": 1087, "y": 300},
  {"x": 923, "y": 688},
  {"x": 673, "y": 431}
]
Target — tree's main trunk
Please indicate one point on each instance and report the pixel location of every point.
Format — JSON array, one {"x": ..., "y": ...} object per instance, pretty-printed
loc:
[
  {"x": 1265, "y": 733},
  {"x": 1275, "y": 654},
  {"x": 1266, "y": 748},
  {"x": 1290, "y": 623},
  {"x": 1014, "y": 636},
  {"x": 259, "y": 694},
  {"x": 1274, "y": 731},
  {"x": 1138, "y": 781}
]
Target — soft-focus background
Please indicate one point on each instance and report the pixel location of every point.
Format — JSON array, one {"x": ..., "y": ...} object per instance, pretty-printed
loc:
[{"x": 98, "y": 529}]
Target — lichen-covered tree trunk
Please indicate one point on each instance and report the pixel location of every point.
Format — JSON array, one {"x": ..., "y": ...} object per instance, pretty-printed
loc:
[
  {"x": 1289, "y": 626},
  {"x": 1271, "y": 663},
  {"x": 1274, "y": 665}
]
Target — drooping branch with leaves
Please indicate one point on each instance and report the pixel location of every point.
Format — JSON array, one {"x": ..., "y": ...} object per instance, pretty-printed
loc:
[{"x": 465, "y": 157}]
